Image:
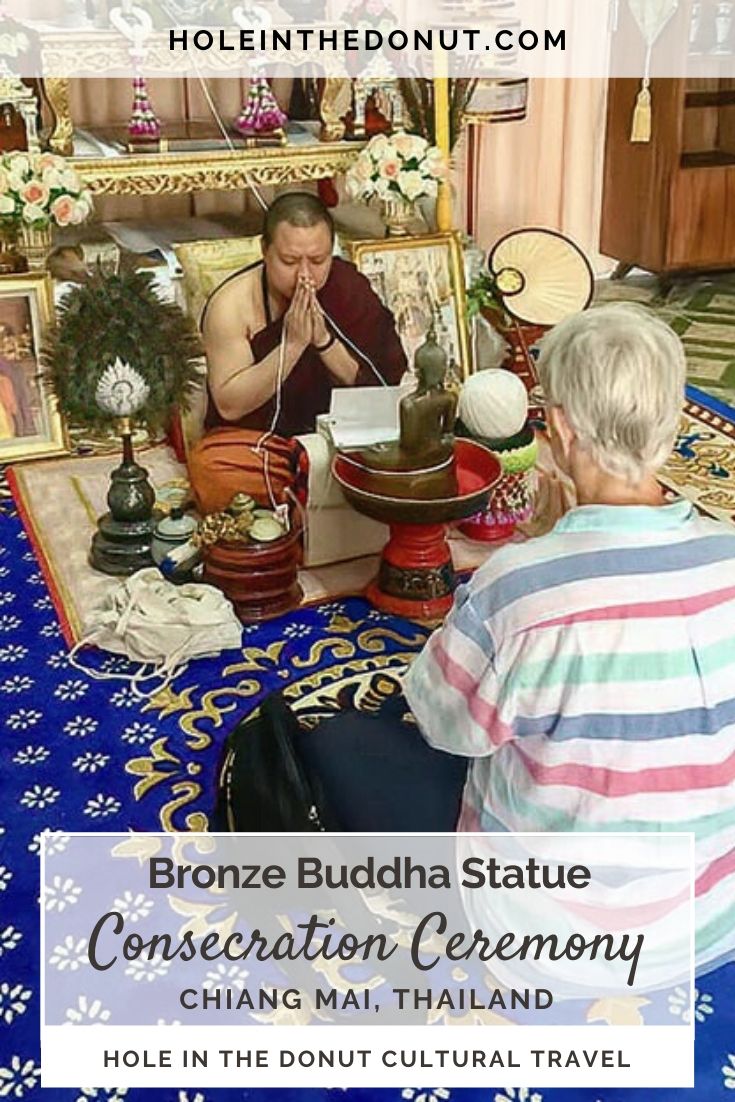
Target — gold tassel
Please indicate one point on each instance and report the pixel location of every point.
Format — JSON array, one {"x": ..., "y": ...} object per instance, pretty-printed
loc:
[{"x": 641, "y": 129}]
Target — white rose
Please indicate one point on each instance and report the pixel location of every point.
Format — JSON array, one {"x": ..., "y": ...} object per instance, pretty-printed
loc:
[
  {"x": 412, "y": 184},
  {"x": 435, "y": 163},
  {"x": 63, "y": 210},
  {"x": 52, "y": 178},
  {"x": 390, "y": 168},
  {"x": 388, "y": 152},
  {"x": 79, "y": 213},
  {"x": 35, "y": 194},
  {"x": 411, "y": 146},
  {"x": 7, "y": 205},
  {"x": 33, "y": 213},
  {"x": 361, "y": 171},
  {"x": 70, "y": 180},
  {"x": 85, "y": 198},
  {"x": 378, "y": 149},
  {"x": 403, "y": 144},
  {"x": 383, "y": 188},
  {"x": 19, "y": 164},
  {"x": 16, "y": 182}
]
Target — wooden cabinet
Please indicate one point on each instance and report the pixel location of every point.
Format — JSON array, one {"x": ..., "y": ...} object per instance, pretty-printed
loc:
[{"x": 669, "y": 204}]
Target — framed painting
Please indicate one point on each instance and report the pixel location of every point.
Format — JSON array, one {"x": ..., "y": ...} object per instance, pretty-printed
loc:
[
  {"x": 420, "y": 278},
  {"x": 30, "y": 424}
]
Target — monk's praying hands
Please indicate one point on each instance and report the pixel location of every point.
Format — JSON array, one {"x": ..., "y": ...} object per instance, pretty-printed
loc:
[
  {"x": 320, "y": 334},
  {"x": 298, "y": 320}
]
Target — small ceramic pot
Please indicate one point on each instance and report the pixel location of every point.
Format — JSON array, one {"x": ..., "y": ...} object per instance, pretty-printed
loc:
[{"x": 171, "y": 532}]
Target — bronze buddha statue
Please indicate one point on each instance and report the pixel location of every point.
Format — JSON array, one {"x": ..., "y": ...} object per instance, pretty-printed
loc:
[{"x": 421, "y": 463}]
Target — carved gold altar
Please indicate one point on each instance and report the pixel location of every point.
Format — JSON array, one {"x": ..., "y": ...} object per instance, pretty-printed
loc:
[
  {"x": 186, "y": 172},
  {"x": 178, "y": 173},
  {"x": 171, "y": 173},
  {"x": 151, "y": 174}
]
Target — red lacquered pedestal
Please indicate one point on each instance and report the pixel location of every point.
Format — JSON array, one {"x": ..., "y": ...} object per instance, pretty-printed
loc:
[{"x": 416, "y": 578}]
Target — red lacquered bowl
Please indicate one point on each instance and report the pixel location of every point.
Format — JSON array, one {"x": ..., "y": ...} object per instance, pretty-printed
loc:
[
  {"x": 477, "y": 470},
  {"x": 261, "y": 580}
]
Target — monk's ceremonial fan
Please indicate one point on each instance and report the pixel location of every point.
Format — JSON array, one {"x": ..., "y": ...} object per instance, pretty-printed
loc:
[{"x": 540, "y": 276}]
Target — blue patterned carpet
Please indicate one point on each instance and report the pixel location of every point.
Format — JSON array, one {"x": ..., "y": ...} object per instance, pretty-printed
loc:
[{"x": 79, "y": 754}]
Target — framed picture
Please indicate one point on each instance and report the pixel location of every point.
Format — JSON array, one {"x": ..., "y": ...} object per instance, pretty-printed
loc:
[
  {"x": 420, "y": 278},
  {"x": 30, "y": 425}
]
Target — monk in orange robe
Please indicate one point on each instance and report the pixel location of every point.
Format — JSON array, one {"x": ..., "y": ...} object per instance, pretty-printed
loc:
[{"x": 279, "y": 336}]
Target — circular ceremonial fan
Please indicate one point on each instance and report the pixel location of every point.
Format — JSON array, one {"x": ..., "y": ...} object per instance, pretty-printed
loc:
[{"x": 541, "y": 276}]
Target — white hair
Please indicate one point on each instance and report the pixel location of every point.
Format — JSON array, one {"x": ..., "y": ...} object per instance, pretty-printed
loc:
[{"x": 618, "y": 373}]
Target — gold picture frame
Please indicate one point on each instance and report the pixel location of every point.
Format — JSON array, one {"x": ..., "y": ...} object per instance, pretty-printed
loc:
[
  {"x": 31, "y": 426},
  {"x": 416, "y": 277}
]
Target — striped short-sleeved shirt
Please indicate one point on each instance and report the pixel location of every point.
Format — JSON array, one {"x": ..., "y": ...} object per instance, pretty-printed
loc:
[{"x": 590, "y": 674}]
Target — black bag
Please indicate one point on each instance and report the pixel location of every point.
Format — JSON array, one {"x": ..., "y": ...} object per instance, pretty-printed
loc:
[{"x": 263, "y": 786}]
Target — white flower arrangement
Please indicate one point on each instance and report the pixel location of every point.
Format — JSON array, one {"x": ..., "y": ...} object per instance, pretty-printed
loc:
[
  {"x": 37, "y": 189},
  {"x": 402, "y": 166}
]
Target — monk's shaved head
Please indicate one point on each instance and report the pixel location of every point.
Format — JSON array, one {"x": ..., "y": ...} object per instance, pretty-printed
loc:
[{"x": 296, "y": 208}]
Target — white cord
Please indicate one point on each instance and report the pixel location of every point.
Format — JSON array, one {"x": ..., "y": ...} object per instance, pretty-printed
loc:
[
  {"x": 346, "y": 340},
  {"x": 276, "y": 414},
  {"x": 218, "y": 119},
  {"x": 282, "y": 350},
  {"x": 213, "y": 108},
  {"x": 166, "y": 671}
]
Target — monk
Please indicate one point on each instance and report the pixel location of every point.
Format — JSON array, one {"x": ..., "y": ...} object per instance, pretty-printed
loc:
[{"x": 279, "y": 336}]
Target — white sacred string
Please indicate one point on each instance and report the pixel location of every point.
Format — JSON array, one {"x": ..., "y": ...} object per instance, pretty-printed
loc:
[{"x": 255, "y": 190}]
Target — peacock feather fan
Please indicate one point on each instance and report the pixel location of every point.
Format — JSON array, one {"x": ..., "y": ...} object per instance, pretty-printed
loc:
[{"x": 121, "y": 320}]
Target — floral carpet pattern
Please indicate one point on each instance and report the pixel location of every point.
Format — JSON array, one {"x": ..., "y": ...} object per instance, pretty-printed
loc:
[
  {"x": 702, "y": 465},
  {"x": 81, "y": 754}
]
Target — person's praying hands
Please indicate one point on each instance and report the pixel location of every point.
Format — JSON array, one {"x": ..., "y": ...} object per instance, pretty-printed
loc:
[{"x": 299, "y": 319}]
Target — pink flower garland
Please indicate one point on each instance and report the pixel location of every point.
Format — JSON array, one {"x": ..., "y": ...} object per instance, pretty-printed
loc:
[{"x": 260, "y": 114}]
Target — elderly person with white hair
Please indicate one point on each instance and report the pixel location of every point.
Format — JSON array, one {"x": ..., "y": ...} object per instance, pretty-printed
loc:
[{"x": 590, "y": 673}]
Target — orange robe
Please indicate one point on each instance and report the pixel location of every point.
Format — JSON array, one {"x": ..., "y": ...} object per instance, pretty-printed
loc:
[{"x": 231, "y": 461}]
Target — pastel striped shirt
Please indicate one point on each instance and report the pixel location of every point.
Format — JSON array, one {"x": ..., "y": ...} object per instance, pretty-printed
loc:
[{"x": 591, "y": 675}]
